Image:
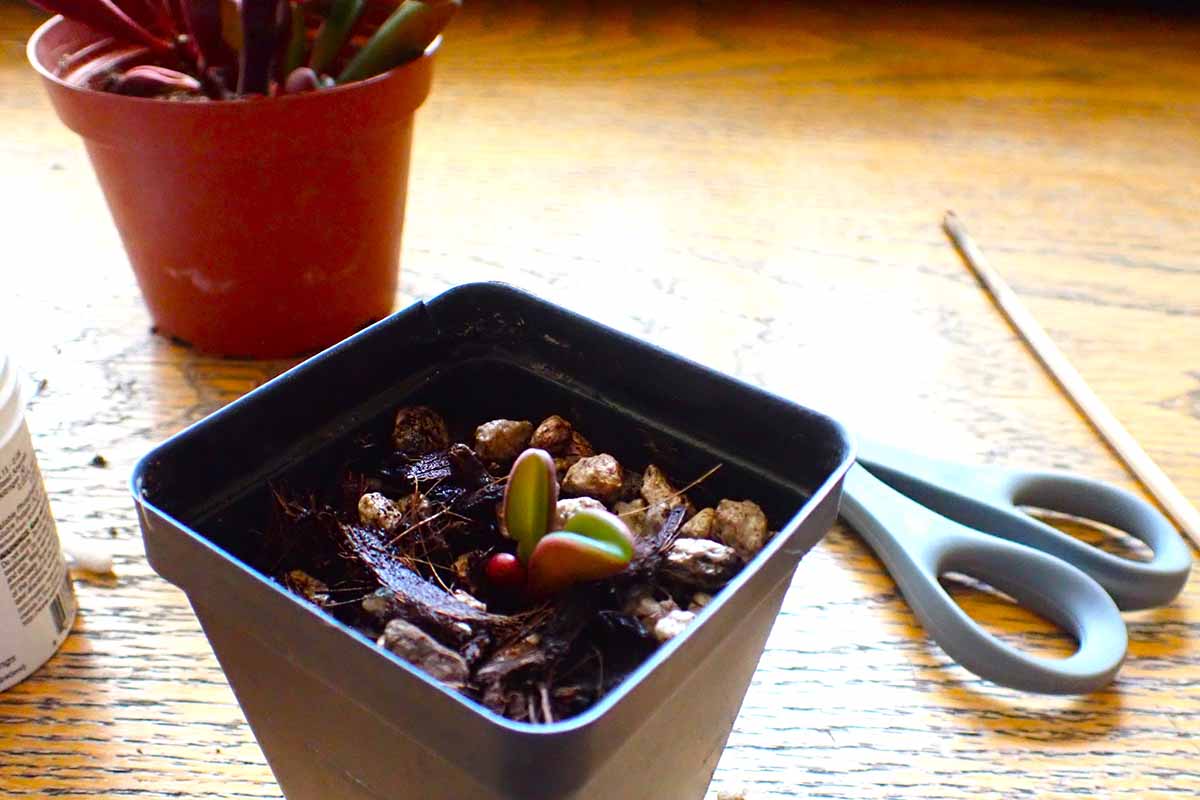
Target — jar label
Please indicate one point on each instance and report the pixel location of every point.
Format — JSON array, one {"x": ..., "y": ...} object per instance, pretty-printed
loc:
[{"x": 37, "y": 602}]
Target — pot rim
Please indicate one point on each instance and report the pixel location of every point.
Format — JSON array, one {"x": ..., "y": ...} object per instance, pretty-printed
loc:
[{"x": 31, "y": 54}]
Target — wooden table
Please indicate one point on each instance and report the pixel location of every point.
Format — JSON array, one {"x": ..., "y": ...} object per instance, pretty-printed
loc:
[{"x": 759, "y": 190}]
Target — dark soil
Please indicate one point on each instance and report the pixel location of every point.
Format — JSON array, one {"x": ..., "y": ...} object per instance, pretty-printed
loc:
[{"x": 532, "y": 661}]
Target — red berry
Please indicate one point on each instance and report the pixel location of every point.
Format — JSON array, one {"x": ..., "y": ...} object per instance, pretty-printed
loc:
[{"x": 505, "y": 571}]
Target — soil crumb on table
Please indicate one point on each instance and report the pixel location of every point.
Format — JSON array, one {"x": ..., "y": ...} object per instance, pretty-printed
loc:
[{"x": 728, "y": 795}]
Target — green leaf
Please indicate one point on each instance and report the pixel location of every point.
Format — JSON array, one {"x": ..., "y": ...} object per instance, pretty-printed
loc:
[
  {"x": 402, "y": 37},
  {"x": 603, "y": 527},
  {"x": 334, "y": 32},
  {"x": 530, "y": 499}
]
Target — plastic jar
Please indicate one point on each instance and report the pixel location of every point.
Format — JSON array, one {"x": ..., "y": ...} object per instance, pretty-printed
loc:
[{"x": 37, "y": 601}]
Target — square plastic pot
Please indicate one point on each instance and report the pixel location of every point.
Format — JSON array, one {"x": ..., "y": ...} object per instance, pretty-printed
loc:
[{"x": 338, "y": 717}]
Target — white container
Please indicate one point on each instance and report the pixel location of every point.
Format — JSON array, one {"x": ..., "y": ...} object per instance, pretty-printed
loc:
[{"x": 37, "y": 602}]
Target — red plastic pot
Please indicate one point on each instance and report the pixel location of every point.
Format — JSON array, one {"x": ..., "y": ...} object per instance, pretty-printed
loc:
[{"x": 262, "y": 227}]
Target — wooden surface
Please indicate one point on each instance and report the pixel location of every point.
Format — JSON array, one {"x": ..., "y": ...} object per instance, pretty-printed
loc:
[{"x": 759, "y": 190}]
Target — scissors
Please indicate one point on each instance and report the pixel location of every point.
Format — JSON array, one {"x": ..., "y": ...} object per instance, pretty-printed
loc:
[{"x": 924, "y": 517}]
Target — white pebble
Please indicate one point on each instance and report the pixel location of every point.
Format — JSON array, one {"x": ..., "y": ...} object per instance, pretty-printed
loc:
[
  {"x": 572, "y": 506},
  {"x": 672, "y": 625}
]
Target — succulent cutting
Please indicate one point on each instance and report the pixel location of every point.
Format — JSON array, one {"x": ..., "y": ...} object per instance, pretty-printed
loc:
[
  {"x": 591, "y": 544},
  {"x": 226, "y": 49}
]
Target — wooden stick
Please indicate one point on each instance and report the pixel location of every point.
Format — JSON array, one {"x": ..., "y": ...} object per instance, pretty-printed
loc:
[{"x": 1109, "y": 428}]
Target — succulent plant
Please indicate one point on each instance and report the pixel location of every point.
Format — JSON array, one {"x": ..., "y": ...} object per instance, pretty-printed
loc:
[
  {"x": 593, "y": 544},
  {"x": 233, "y": 48}
]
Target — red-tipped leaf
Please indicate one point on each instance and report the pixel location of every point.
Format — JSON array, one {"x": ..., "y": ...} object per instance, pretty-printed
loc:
[
  {"x": 105, "y": 17},
  {"x": 595, "y": 545}
]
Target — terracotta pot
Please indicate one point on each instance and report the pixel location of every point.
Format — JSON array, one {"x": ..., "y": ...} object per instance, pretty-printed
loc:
[{"x": 259, "y": 227}]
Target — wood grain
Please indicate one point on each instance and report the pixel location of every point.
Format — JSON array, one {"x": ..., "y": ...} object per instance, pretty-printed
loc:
[{"x": 757, "y": 186}]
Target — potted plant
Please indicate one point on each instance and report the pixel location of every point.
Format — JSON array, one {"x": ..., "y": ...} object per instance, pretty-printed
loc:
[
  {"x": 339, "y": 716},
  {"x": 254, "y": 154}
]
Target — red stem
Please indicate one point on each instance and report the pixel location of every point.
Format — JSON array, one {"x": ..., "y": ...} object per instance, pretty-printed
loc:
[{"x": 190, "y": 48}]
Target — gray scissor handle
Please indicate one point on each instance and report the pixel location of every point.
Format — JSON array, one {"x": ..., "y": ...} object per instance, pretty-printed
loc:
[
  {"x": 917, "y": 545},
  {"x": 986, "y": 498},
  {"x": 1132, "y": 584}
]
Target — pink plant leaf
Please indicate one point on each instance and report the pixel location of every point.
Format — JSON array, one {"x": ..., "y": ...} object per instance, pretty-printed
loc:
[{"x": 147, "y": 80}]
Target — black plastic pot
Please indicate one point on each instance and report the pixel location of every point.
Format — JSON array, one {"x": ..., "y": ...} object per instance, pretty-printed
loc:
[{"x": 338, "y": 717}]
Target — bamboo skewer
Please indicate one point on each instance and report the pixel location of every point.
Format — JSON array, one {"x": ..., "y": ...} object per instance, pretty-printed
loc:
[{"x": 1092, "y": 408}]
